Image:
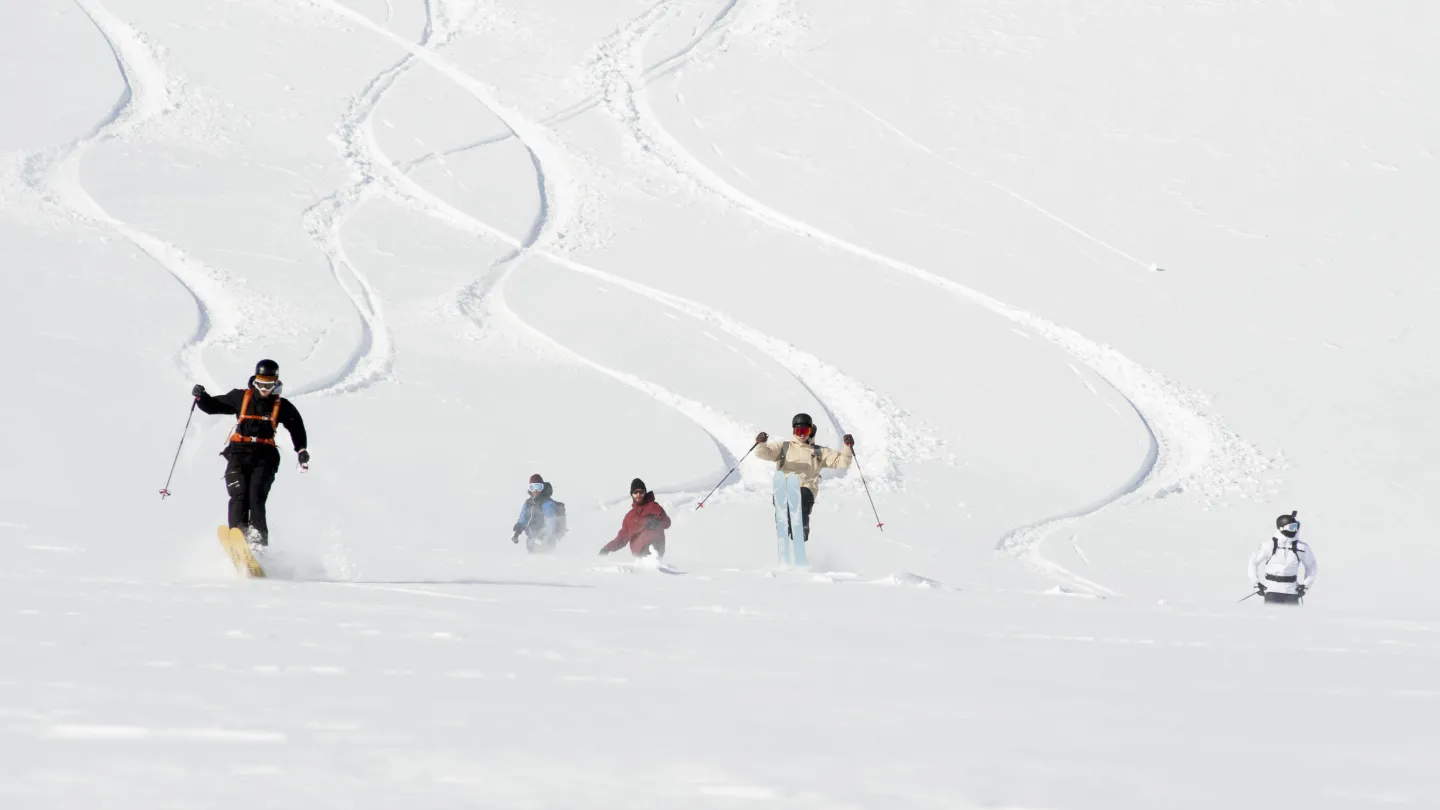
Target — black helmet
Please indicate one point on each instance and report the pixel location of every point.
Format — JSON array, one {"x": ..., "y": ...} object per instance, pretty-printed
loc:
[
  {"x": 803, "y": 426},
  {"x": 267, "y": 378},
  {"x": 1289, "y": 525}
]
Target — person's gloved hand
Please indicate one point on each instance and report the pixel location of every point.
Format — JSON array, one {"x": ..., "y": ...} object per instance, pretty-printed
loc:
[
  {"x": 1300, "y": 590},
  {"x": 198, "y": 391},
  {"x": 762, "y": 438},
  {"x": 604, "y": 553},
  {"x": 304, "y": 458},
  {"x": 652, "y": 523},
  {"x": 849, "y": 440},
  {"x": 515, "y": 538},
  {"x": 1260, "y": 588}
]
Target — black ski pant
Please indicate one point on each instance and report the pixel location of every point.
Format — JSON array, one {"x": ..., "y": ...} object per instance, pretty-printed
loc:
[
  {"x": 1282, "y": 598},
  {"x": 248, "y": 478},
  {"x": 807, "y": 502}
]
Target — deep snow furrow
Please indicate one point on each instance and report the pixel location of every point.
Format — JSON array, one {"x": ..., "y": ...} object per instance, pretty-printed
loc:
[
  {"x": 149, "y": 93},
  {"x": 324, "y": 221},
  {"x": 1193, "y": 448},
  {"x": 483, "y": 301},
  {"x": 664, "y": 67},
  {"x": 862, "y": 410}
]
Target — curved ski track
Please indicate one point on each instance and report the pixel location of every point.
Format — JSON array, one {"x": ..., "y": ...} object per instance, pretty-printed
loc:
[
  {"x": 148, "y": 94},
  {"x": 1192, "y": 448},
  {"x": 483, "y": 300},
  {"x": 860, "y": 407}
]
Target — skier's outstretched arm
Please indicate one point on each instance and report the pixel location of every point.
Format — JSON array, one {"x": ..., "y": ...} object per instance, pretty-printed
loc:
[
  {"x": 1256, "y": 561},
  {"x": 223, "y": 404},
  {"x": 290, "y": 418},
  {"x": 768, "y": 451},
  {"x": 837, "y": 459},
  {"x": 618, "y": 543}
]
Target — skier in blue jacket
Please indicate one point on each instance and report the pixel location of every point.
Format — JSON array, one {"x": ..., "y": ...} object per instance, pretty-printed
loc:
[{"x": 542, "y": 518}]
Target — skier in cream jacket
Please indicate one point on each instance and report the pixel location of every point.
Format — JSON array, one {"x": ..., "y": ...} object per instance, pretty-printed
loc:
[
  {"x": 806, "y": 459},
  {"x": 1283, "y": 567}
]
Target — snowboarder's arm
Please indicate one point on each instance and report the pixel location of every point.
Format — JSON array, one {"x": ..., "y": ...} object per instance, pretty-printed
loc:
[
  {"x": 290, "y": 418},
  {"x": 1307, "y": 559},
  {"x": 622, "y": 539},
  {"x": 837, "y": 459},
  {"x": 524, "y": 519},
  {"x": 662, "y": 520},
  {"x": 225, "y": 403}
]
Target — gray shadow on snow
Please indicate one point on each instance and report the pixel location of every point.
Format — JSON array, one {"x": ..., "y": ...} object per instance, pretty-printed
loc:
[{"x": 519, "y": 582}]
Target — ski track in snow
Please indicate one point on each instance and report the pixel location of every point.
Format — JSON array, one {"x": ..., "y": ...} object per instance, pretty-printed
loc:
[
  {"x": 325, "y": 220},
  {"x": 1191, "y": 449},
  {"x": 149, "y": 93},
  {"x": 665, "y": 67},
  {"x": 861, "y": 409},
  {"x": 484, "y": 301}
]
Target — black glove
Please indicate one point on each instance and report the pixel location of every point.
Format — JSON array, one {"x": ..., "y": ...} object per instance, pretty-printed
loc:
[
  {"x": 198, "y": 391},
  {"x": 849, "y": 440},
  {"x": 1299, "y": 590},
  {"x": 304, "y": 458},
  {"x": 762, "y": 438},
  {"x": 652, "y": 523},
  {"x": 1260, "y": 588},
  {"x": 515, "y": 538}
]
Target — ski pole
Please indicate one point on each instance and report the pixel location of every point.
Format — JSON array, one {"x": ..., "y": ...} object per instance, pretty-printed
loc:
[
  {"x": 701, "y": 505},
  {"x": 879, "y": 524},
  {"x": 165, "y": 491},
  {"x": 1255, "y": 592}
]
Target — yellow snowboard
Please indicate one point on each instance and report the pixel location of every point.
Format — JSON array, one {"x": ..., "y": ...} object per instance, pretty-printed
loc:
[{"x": 234, "y": 542}]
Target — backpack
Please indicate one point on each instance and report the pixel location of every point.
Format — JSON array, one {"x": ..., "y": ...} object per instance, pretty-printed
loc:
[
  {"x": 560, "y": 527},
  {"x": 1278, "y": 573}
]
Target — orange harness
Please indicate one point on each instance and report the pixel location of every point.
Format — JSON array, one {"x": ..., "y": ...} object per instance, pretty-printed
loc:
[{"x": 273, "y": 419}]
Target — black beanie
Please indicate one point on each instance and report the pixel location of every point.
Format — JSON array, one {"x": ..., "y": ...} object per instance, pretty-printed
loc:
[{"x": 638, "y": 484}]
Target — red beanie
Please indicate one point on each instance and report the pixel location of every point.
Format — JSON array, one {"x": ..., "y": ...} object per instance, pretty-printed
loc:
[{"x": 536, "y": 479}]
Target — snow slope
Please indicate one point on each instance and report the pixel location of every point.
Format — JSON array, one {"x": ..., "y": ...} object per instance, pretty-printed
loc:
[{"x": 1099, "y": 292}]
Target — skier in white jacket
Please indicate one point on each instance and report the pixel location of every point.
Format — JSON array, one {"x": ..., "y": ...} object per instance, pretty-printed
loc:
[{"x": 1283, "y": 568}]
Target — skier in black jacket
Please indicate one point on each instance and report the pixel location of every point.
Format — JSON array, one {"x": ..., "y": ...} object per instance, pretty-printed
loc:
[{"x": 252, "y": 454}]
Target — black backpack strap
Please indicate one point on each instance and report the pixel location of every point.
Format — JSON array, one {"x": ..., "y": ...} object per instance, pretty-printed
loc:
[{"x": 784, "y": 448}]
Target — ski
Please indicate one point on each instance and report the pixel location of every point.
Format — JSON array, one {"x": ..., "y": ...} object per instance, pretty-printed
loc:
[
  {"x": 789, "y": 520},
  {"x": 233, "y": 541}
]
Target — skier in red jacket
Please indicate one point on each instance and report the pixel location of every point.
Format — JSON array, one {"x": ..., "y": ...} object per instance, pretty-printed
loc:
[{"x": 644, "y": 526}]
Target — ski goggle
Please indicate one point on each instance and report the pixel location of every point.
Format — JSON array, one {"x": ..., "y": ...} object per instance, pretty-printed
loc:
[
  {"x": 804, "y": 430},
  {"x": 1290, "y": 527},
  {"x": 265, "y": 386},
  {"x": 536, "y": 487}
]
